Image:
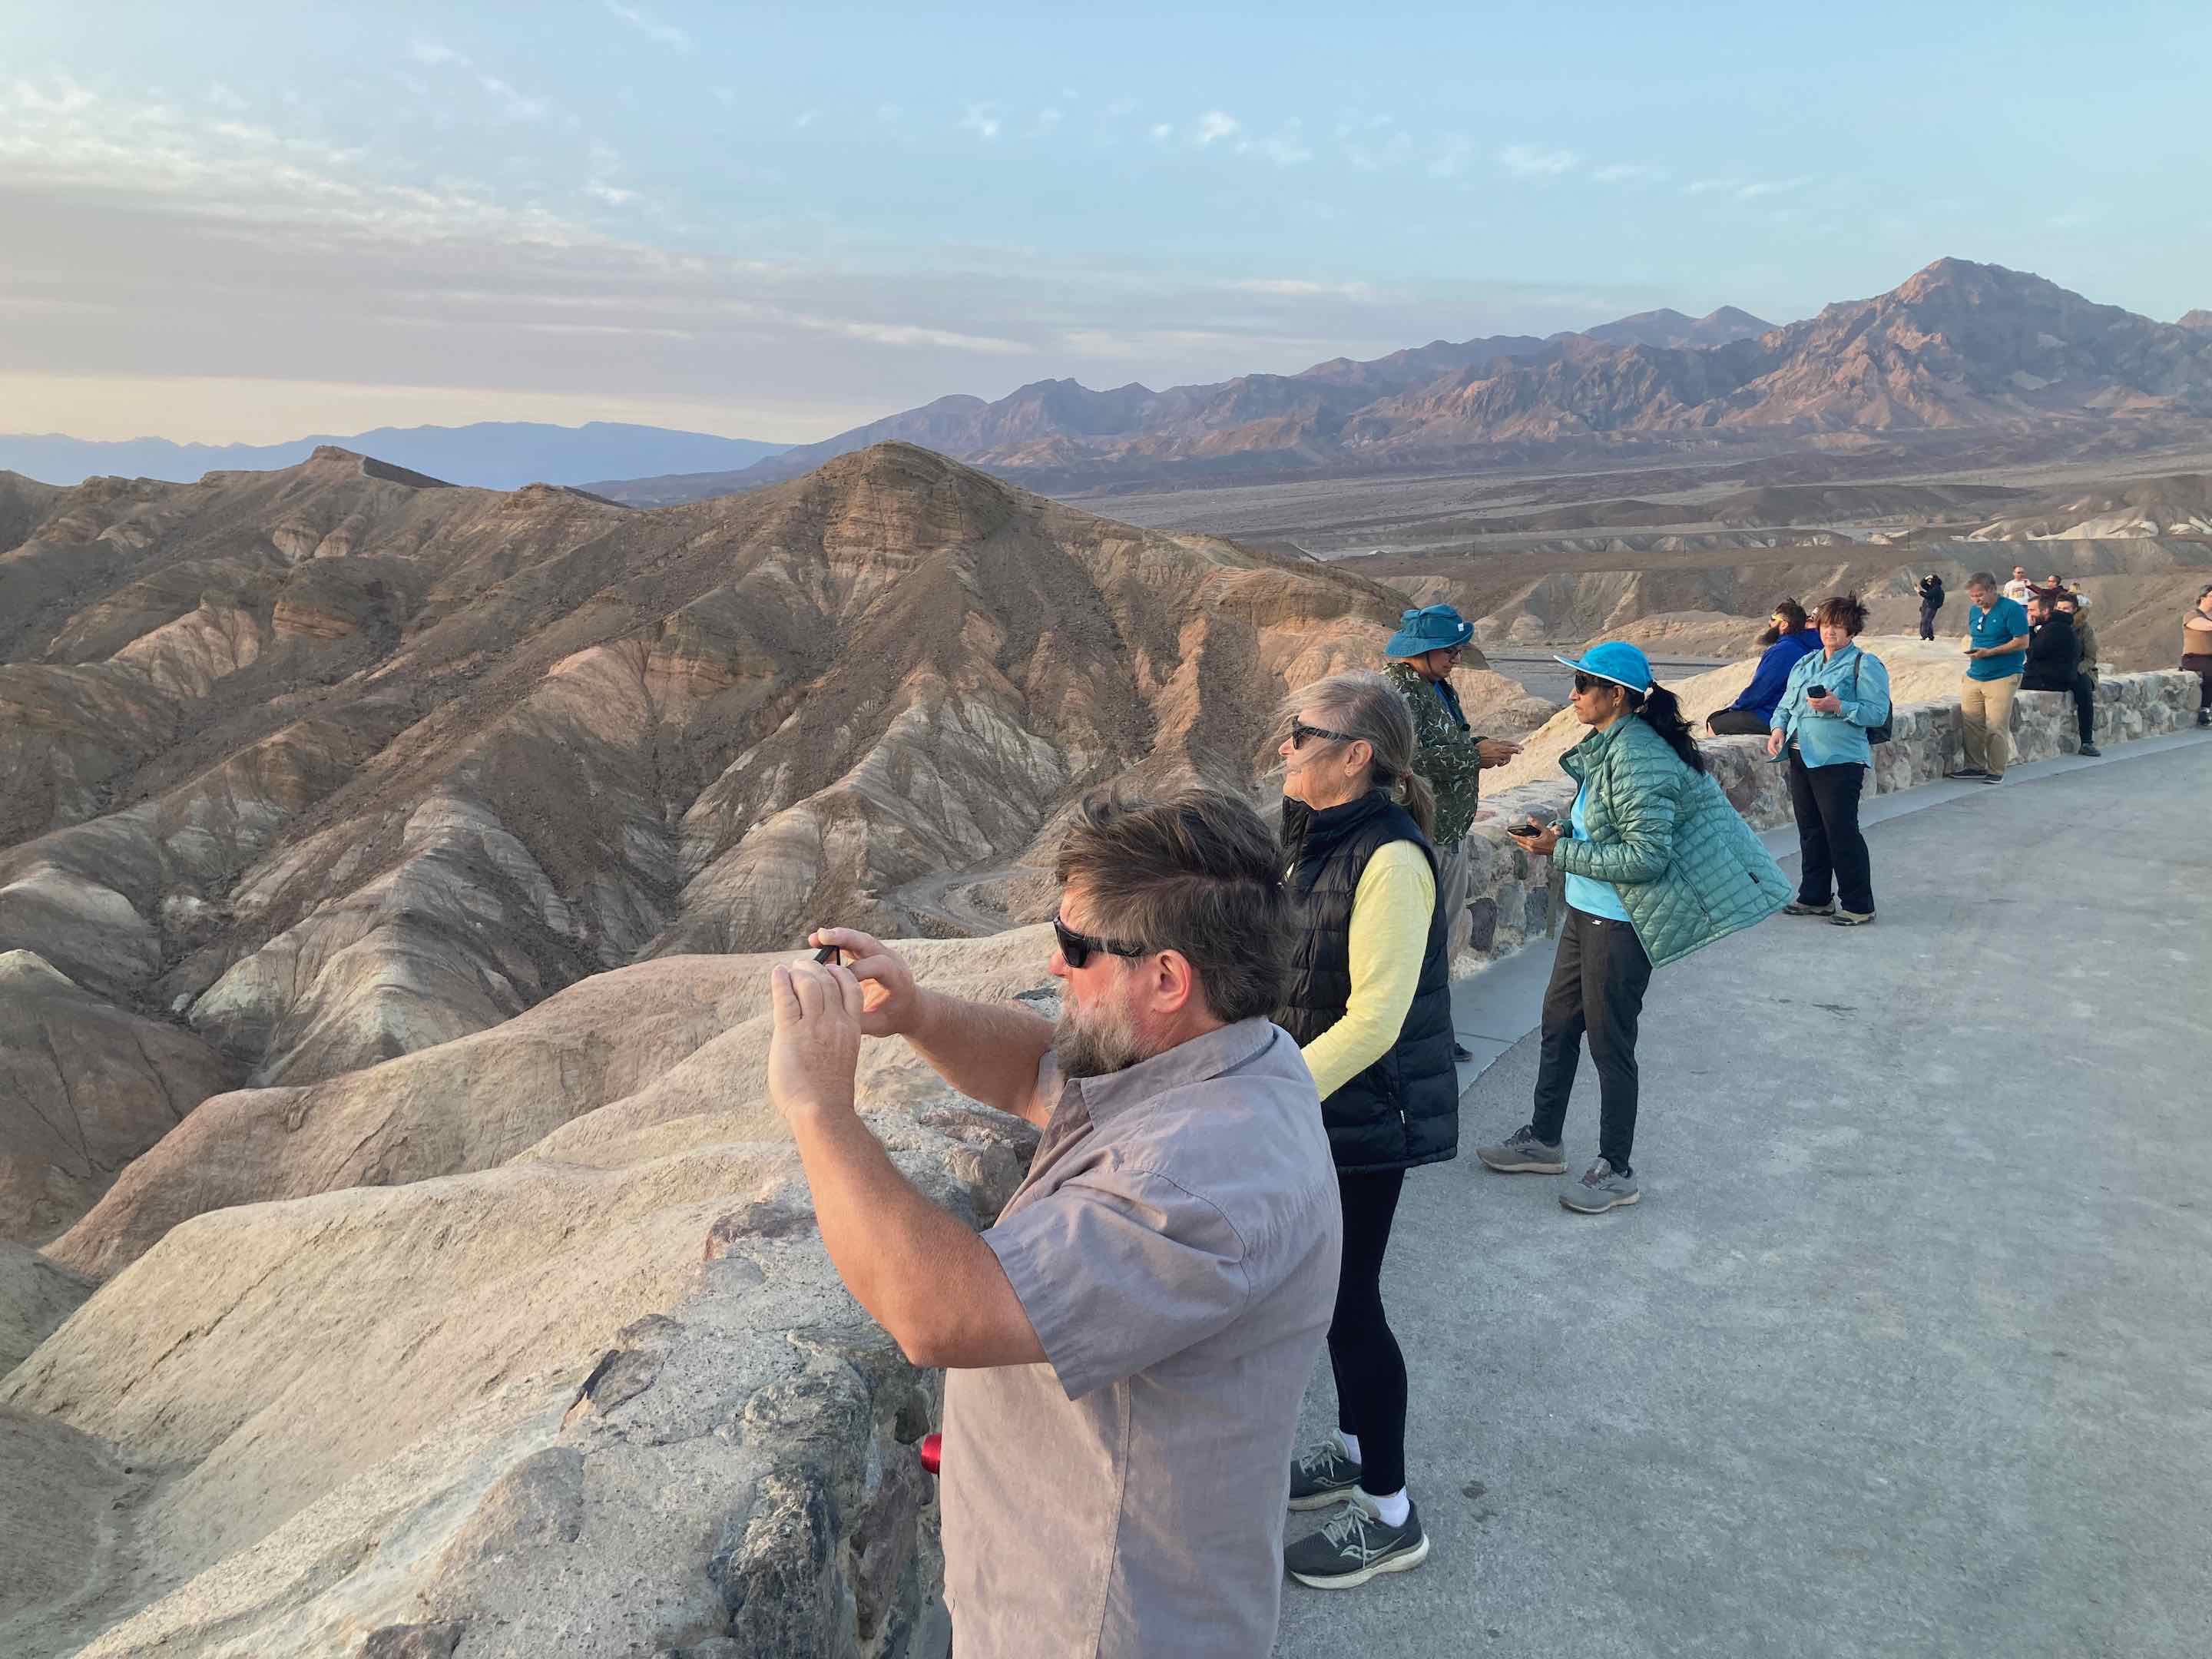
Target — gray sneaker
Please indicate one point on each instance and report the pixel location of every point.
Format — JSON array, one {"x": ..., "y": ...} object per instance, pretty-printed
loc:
[
  {"x": 1322, "y": 1474},
  {"x": 1355, "y": 1546},
  {"x": 1599, "y": 1190},
  {"x": 2090, "y": 750},
  {"x": 1522, "y": 1153}
]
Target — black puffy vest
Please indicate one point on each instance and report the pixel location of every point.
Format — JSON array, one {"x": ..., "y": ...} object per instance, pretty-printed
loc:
[{"x": 1403, "y": 1109}]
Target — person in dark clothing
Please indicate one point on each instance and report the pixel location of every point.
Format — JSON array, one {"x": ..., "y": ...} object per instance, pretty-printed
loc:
[
  {"x": 2054, "y": 655},
  {"x": 1931, "y": 601},
  {"x": 1748, "y": 716},
  {"x": 1370, "y": 1004},
  {"x": 2197, "y": 651},
  {"x": 2085, "y": 674}
]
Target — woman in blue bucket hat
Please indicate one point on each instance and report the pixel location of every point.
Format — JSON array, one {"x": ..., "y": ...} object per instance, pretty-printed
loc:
[{"x": 1657, "y": 863}]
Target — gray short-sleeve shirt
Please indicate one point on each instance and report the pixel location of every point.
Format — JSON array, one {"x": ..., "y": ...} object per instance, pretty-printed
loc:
[{"x": 1175, "y": 1247}]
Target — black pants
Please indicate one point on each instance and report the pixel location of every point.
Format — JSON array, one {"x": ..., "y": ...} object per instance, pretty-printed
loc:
[
  {"x": 1928, "y": 620},
  {"x": 1371, "y": 1371},
  {"x": 2200, "y": 666},
  {"x": 1737, "y": 723},
  {"x": 1831, "y": 849},
  {"x": 1598, "y": 981},
  {"x": 2085, "y": 707}
]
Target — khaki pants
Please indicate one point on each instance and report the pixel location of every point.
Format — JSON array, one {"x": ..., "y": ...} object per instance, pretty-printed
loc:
[
  {"x": 1986, "y": 707},
  {"x": 1451, "y": 896}
]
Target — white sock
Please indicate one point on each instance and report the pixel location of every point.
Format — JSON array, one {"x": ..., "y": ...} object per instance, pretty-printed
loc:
[
  {"x": 1394, "y": 1509},
  {"x": 1350, "y": 1445}
]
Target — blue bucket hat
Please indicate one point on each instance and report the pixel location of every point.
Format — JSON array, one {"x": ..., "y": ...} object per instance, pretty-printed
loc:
[
  {"x": 1616, "y": 660},
  {"x": 1431, "y": 628}
]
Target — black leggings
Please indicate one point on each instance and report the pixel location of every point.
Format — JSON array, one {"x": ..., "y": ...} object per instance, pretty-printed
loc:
[
  {"x": 1371, "y": 1371},
  {"x": 1831, "y": 849}
]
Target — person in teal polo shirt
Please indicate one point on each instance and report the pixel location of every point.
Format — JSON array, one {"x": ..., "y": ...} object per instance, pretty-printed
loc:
[{"x": 1996, "y": 652}]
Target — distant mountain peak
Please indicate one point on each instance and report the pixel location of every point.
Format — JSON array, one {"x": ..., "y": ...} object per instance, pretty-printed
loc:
[{"x": 2199, "y": 317}]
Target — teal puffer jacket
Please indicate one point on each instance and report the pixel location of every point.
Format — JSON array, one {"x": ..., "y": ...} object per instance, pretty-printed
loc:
[{"x": 1688, "y": 868}]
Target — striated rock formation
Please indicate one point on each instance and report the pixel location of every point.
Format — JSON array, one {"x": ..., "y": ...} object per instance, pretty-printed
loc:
[{"x": 341, "y": 762}]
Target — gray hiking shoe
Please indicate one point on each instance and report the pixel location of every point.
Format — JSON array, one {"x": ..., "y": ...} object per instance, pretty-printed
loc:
[
  {"x": 1322, "y": 1474},
  {"x": 1522, "y": 1153},
  {"x": 2091, "y": 750},
  {"x": 1355, "y": 1546},
  {"x": 1799, "y": 907},
  {"x": 1599, "y": 1190}
]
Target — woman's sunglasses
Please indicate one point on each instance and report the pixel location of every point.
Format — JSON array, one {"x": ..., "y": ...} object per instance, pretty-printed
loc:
[
  {"x": 1592, "y": 683},
  {"x": 1075, "y": 948},
  {"x": 1300, "y": 732}
]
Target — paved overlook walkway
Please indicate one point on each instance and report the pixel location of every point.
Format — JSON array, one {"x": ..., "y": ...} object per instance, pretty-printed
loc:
[{"x": 1908, "y": 1349}]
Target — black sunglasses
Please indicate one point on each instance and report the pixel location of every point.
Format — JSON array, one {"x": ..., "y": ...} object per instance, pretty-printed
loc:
[
  {"x": 1592, "y": 683},
  {"x": 1075, "y": 948},
  {"x": 1300, "y": 732}
]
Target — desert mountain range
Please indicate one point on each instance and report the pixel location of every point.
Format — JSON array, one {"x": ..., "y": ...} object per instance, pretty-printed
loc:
[
  {"x": 1957, "y": 346},
  {"x": 496, "y": 454}
]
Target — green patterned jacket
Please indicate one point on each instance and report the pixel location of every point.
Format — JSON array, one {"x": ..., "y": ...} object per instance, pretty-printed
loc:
[{"x": 1449, "y": 758}]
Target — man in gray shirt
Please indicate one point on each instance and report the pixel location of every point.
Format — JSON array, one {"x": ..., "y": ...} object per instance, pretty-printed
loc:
[{"x": 1128, "y": 1345}]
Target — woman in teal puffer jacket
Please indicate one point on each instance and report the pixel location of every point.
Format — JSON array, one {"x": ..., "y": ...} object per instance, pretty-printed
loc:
[{"x": 1657, "y": 863}]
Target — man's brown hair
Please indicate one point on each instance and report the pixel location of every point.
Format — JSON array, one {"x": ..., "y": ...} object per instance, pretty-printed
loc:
[{"x": 1200, "y": 873}]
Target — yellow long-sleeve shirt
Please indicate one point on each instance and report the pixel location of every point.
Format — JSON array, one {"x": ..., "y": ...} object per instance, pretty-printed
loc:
[{"x": 1391, "y": 910}]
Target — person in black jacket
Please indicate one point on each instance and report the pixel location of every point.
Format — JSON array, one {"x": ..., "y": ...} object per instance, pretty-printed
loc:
[
  {"x": 1931, "y": 601},
  {"x": 2054, "y": 655},
  {"x": 1370, "y": 1004}
]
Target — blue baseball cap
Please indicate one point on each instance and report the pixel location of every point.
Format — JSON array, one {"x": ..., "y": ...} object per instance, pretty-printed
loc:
[
  {"x": 1431, "y": 628},
  {"x": 1616, "y": 660}
]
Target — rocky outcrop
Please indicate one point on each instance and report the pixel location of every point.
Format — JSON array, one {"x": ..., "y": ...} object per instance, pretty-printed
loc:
[
  {"x": 85, "y": 1087},
  {"x": 604, "y": 1397}
]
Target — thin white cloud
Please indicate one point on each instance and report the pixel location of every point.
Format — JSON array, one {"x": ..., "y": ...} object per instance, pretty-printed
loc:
[
  {"x": 982, "y": 120},
  {"x": 612, "y": 195},
  {"x": 1212, "y": 125},
  {"x": 1286, "y": 148},
  {"x": 652, "y": 27},
  {"x": 223, "y": 98},
  {"x": 1631, "y": 172},
  {"x": 725, "y": 96},
  {"x": 1707, "y": 186},
  {"x": 1121, "y": 107},
  {"x": 1752, "y": 193},
  {"x": 513, "y": 105},
  {"x": 434, "y": 53},
  {"x": 1161, "y": 132},
  {"x": 1048, "y": 119},
  {"x": 910, "y": 334},
  {"x": 806, "y": 119},
  {"x": 1536, "y": 162},
  {"x": 1454, "y": 151},
  {"x": 1298, "y": 288}
]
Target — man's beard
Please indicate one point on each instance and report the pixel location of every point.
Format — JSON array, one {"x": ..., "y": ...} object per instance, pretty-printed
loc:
[{"x": 1095, "y": 1044}]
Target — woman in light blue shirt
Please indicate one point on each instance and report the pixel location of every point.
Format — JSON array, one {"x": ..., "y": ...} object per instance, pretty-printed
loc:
[{"x": 1826, "y": 736}]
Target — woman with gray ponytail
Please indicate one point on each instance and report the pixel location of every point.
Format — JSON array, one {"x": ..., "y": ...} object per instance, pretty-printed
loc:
[{"x": 1370, "y": 1006}]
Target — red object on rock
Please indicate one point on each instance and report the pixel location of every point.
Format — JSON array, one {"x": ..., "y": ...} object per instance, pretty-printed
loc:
[{"x": 933, "y": 1451}]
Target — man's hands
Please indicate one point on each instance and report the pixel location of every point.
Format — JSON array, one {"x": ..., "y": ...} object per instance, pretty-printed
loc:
[
  {"x": 891, "y": 1003},
  {"x": 1496, "y": 751},
  {"x": 816, "y": 1044}
]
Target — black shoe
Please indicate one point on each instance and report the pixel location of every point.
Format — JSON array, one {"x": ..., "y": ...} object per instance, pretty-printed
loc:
[
  {"x": 1460, "y": 1055},
  {"x": 1355, "y": 1546},
  {"x": 1322, "y": 1475},
  {"x": 2091, "y": 750}
]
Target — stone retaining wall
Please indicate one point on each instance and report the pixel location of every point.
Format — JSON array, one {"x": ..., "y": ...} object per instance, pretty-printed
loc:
[{"x": 1510, "y": 902}]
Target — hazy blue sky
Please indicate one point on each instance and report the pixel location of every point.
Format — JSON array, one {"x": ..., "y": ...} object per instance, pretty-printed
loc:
[{"x": 245, "y": 220}]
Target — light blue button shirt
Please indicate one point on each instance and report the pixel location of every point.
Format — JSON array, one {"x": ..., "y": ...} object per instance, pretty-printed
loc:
[{"x": 1592, "y": 898}]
